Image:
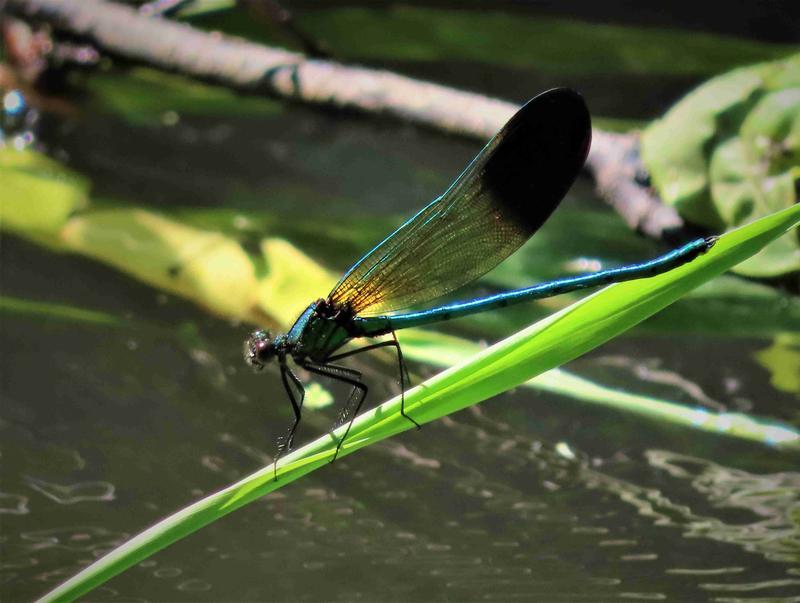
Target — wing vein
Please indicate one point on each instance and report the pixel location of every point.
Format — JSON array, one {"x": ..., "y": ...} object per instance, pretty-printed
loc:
[{"x": 503, "y": 197}]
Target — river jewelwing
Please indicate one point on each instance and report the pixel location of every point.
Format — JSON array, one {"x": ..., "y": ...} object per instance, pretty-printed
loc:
[{"x": 502, "y": 198}]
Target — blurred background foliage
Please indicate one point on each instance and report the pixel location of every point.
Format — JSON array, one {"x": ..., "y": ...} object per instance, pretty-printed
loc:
[
  {"x": 730, "y": 152},
  {"x": 250, "y": 207}
]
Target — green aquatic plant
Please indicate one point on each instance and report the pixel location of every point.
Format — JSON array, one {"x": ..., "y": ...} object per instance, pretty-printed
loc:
[{"x": 729, "y": 152}]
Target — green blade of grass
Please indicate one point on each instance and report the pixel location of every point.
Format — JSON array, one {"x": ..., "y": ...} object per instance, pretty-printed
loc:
[
  {"x": 50, "y": 310},
  {"x": 534, "y": 350},
  {"x": 443, "y": 350}
]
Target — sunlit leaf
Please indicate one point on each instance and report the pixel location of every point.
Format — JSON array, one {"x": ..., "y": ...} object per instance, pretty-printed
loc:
[
  {"x": 37, "y": 195},
  {"x": 782, "y": 360},
  {"x": 729, "y": 152}
]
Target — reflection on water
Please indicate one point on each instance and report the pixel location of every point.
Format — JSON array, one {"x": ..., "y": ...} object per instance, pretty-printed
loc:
[
  {"x": 70, "y": 494},
  {"x": 771, "y": 500},
  {"x": 15, "y": 504},
  {"x": 84, "y": 539},
  {"x": 648, "y": 370}
]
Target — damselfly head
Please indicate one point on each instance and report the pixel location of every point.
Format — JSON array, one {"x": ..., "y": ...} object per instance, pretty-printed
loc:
[{"x": 259, "y": 349}]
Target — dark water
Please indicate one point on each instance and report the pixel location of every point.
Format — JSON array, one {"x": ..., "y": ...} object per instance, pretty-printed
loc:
[{"x": 107, "y": 428}]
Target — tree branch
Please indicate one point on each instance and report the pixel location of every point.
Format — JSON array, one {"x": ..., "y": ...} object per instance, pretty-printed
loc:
[{"x": 120, "y": 30}]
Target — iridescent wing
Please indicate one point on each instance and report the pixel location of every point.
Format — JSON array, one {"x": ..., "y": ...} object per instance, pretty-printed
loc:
[{"x": 503, "y": 197}]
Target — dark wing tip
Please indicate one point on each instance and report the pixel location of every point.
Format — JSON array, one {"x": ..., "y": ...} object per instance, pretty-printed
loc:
[
  {"x": 538, "y": 154},
  {"x": 500, "y": 200}
]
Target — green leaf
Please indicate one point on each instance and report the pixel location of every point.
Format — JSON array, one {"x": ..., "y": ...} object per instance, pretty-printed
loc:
[
  {"x": 541, "y": 347},
  {"x": 48, "y": 310},
  {"x": 204, "y": 266},
  {"x": 37, "y": 195},
  {"x": 729, "y": 152},
  {"x": 782, "y": 360}
]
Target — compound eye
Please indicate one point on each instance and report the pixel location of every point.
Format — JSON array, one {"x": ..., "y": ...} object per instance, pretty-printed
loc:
[{"x": 258, "y": 349}]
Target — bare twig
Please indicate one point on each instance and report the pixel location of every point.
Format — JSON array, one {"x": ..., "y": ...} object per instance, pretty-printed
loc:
[
  {"x": 35, "y": 54},
  {"x": 119, "y": 30},
  {"x": 617, "y": 168}
]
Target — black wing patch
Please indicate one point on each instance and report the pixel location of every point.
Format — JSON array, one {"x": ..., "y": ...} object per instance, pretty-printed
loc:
[{"x": 503, "y": 197}]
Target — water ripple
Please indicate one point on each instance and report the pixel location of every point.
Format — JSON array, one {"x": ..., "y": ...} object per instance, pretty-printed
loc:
[
  {"x": 711, "y": 571},
  {"x": 194, "y": 585},
  {"x": 87, "y": 539},
  {"x": 790, "y": 599},
  {"x": 750, "y": 586},
  {"x": 772, "y": 498},
  {"x": 13, "y": 504},
  {"x": 73, "y": 493}
]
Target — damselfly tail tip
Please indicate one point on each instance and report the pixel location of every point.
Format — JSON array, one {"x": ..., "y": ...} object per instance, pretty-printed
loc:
[{"x": 710, "y": 242}]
